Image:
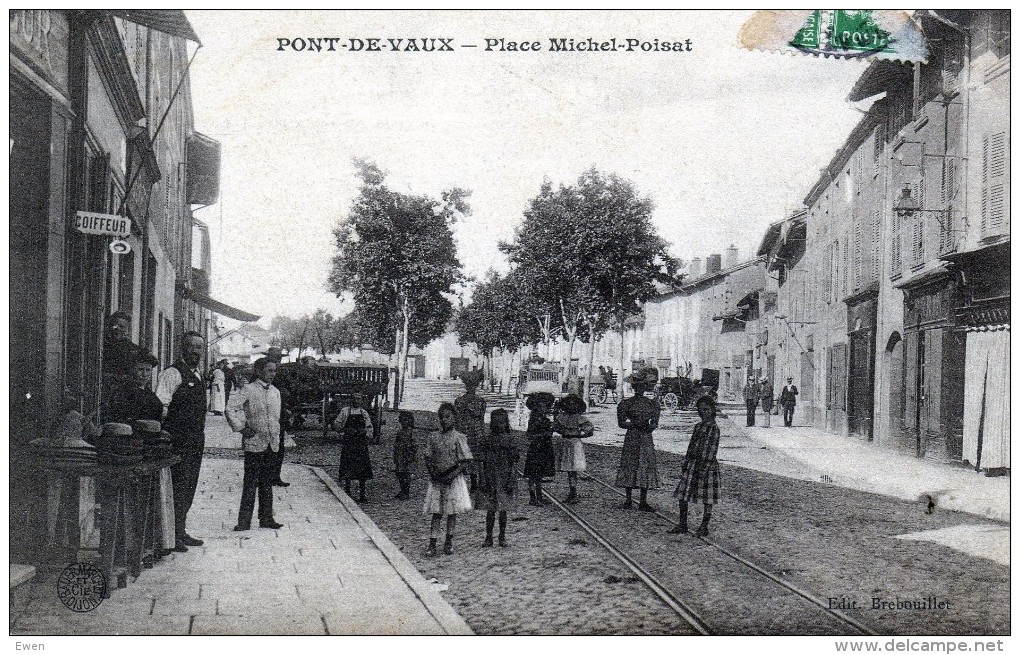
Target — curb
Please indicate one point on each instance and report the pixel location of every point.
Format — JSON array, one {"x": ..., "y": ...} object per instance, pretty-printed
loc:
[{"x": 451, "y": 622}]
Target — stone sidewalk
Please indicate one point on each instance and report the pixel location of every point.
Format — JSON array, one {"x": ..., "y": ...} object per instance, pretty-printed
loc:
[{"x": 328, "y": 571}]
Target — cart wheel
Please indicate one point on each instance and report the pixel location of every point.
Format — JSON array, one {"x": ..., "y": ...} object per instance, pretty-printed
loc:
[
  {"x": 670, "y": 401},
  {"x": 601, "y": 396}
]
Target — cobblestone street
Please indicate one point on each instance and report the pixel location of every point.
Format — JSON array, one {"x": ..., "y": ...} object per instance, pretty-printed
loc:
[{"x": 830, "y": 541}]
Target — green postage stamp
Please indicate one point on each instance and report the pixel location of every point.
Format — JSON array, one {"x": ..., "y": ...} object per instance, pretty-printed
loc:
[{"x": 848, "y": 33}]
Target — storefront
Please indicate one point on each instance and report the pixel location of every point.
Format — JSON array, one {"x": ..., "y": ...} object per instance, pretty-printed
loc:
[
  {"x": 933, "y": 365},
  {"x": 983, "y": 322}
]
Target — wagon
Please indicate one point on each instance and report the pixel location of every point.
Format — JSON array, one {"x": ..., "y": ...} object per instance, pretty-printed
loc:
[
  {"x": 601, "y": 387},
  {"x": 324, "y": 389},
  {"x": 682, "y": 393}
]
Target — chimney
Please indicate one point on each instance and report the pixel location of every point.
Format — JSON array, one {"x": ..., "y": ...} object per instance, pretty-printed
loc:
[
  {"x": 694, "y": 268},
  {"x": 732, "y": 256},
  {"x": 713, "y": 264}
]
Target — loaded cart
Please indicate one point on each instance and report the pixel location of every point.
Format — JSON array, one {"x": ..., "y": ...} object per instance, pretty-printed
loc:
[
  {"x": 321, "y": 390},
  {"x": 341, "y": 382}
]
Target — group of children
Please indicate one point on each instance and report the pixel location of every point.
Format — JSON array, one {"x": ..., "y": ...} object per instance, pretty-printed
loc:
[{"x": 483, "y": 475}]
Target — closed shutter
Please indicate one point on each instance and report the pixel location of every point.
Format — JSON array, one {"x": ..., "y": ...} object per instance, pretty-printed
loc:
[
  {"x": 917, "y": 242},
  {"x": 896, "y": 250},
  {"x": 876, "y": 239},
  {"x": 858, "y": 253},
  {"x": 994, "y": 184},
  {"x": 949, "y": 190},
  {"x": 846, "y": 267}
]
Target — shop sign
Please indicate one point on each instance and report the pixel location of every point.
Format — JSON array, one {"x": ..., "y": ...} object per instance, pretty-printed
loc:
[
  {"x": 40, "y": 38},
  {"x": 120, "y": 247},
  {"x": 104, "y": 224}
]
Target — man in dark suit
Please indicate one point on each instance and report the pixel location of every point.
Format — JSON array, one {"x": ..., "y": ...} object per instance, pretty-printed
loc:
[
  {"x": 788, "y": 401},
  {"x": 181, "y": 389}
]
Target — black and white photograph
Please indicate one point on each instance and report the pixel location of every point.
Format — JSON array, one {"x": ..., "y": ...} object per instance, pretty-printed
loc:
[{"x": 517, "y": 322}]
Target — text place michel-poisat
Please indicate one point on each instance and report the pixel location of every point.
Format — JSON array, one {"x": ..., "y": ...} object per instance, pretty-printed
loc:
[{"x": 488, "y": 44}]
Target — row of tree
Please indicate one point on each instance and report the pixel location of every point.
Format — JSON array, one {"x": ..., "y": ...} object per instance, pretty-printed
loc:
[{"x": 585, "y": 257}]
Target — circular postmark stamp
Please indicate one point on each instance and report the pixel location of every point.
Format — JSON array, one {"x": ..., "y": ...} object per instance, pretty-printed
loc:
[{"x": 81, "y": 587}]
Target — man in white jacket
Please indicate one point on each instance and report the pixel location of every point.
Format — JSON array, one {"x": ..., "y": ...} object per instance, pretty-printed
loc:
[{"x": 254, "y": 411}]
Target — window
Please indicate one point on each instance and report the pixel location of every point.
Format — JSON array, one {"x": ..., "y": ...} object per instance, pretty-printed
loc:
[
  {"x": 846, "y": 267},
  {"x": 896, "y": 252},
  {"x": 858, "y": 253},
  {"x": 994, "y": 184},
  {"x": 917, "y": 240}
]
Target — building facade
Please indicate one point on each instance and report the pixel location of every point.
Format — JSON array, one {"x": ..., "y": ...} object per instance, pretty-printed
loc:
[{"x": 100, "y": 118}]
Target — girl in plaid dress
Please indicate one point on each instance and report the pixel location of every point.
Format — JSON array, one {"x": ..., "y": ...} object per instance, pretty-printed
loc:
[{"x": 699, "y": 474}]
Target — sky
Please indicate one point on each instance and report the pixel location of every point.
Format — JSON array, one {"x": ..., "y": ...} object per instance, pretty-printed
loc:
[{"x": 723, "y": 140}]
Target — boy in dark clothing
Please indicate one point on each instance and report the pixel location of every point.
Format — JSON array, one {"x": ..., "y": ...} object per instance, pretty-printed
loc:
[
  {"x": 136, "y": 401},
  {"x": 405, "y": 452}
]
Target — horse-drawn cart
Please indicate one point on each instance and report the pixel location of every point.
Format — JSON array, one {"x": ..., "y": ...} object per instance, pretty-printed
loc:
[{"x": 323, "y": 389}]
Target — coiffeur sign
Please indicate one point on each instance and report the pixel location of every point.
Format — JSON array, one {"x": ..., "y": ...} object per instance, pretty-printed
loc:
[{"x": 107, "y": 224}]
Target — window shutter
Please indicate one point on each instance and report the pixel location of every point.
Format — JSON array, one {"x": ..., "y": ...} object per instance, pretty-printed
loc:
[
  {"x": 994, "y": 184},
  {"x": 846, "y": 267},
  {"x": 918, "y": 241},
  {"x": 858, "y": 253},
  {"x": 876, "y": 240}
]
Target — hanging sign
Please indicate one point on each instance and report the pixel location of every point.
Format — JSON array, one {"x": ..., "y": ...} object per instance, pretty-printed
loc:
[
  {"x": 105, "y": 224},
  {"x": 120, "y": 247}
]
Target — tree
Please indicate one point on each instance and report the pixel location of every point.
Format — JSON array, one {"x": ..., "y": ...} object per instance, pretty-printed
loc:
[
  {"x": 288, "y": 333},
  {"x": 496, "y": 318},
  {"x": 593, "y": 251},
  {"x": 396, "y": 255}
]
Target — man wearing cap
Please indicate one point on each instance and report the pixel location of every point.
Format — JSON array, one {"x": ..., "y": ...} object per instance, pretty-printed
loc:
[
  {"x": 275, "y": 355},
  {"x": 181, "y": 389},
  {"x": 788, "y": 401},
  {"x": 750, "y": 399}
]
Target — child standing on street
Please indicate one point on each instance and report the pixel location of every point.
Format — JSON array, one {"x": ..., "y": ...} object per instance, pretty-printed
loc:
[
  {"x": 498, "y": 484},
  {"x": 699, "y": 474},
  {"x": 405, "y": 451},
  {"x": 355, "y": 463},
  {"x": 571, "y": 423},
  {"x": 541, "y": 459},
  {"x": 446, "y": 458}
]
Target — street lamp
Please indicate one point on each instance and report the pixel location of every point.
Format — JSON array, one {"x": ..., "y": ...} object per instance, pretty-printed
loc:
[{"x": 906, "y": 206}]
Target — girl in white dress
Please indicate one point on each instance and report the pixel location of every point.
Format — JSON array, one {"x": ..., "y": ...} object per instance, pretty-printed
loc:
[{"x": 446, "y": 457}]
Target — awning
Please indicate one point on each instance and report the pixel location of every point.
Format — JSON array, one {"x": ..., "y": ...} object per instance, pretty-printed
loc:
[
  {"x": 169, "y": 21},
  {"x": 223, "y": 309}
]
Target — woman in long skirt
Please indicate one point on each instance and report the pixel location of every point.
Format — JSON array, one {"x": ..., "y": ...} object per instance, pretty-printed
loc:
[
  {"x": 699, "y": 473},
  {"x": 639, "y": 416}
]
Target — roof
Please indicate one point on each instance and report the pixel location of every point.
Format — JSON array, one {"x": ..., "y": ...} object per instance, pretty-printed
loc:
[
  {"x": 701, "y": 279},
  {"x": 880, "y": 76},
  {"x": 770, "y": 238}
]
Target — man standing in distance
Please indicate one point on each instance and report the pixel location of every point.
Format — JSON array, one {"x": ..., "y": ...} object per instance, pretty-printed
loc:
[
  {"x": 788, "y": 401},
  {"x": 181, "y": 389}
]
